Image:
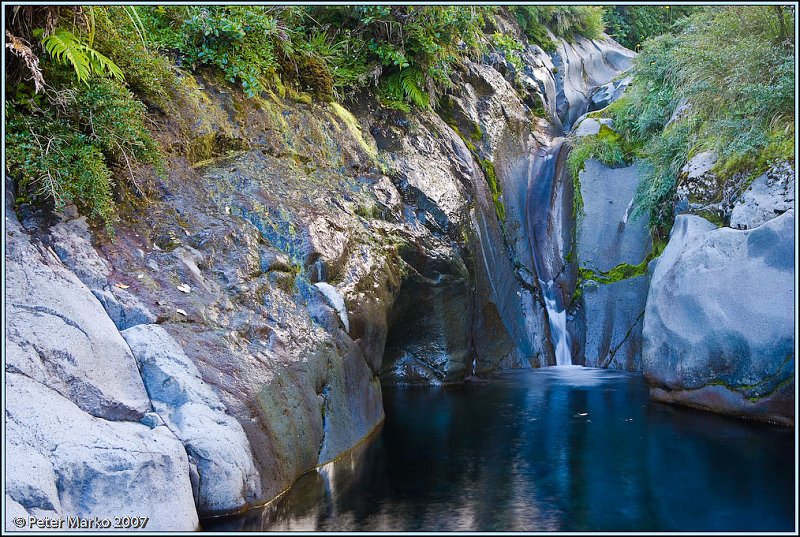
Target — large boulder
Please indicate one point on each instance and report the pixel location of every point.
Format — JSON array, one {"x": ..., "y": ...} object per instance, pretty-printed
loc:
[
  {"x": 59, "y": 335},
  {"x": 224, "y": 476},
  {"x": 65, "y": 462},
  {"x": 718, "y": 327}
]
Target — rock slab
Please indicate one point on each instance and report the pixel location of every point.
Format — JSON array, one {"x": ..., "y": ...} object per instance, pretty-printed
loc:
[{"x": 225, "y": 477}]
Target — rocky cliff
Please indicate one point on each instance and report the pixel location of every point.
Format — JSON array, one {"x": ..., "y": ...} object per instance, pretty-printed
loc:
[{"x": 236, "y": 329}]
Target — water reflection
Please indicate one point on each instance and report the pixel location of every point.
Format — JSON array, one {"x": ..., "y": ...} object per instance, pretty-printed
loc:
[{"x": 562, "y": 448}]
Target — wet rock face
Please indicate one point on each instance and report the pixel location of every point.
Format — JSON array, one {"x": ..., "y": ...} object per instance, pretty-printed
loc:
[
  {"x": 610, "y": 243},
  {"x": 581, "y": 67},
  {"x": 430, "y": 322},
  {"x": 716, "y": 334}
]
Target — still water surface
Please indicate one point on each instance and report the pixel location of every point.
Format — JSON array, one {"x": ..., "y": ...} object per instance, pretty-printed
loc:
[{"x": 559, "y": 448}]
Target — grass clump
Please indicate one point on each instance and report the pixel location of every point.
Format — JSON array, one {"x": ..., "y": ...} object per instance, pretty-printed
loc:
[
  {"x": 494, "y": 188},
  {"x": 607, "y": 146}
]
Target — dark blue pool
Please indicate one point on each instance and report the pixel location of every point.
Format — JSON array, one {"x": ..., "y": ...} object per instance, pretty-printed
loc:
[{"x": 560, "y": 448}]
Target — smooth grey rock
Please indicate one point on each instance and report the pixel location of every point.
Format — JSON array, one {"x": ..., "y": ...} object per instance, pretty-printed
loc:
[
  {"x": 582, "y": 66},
  {"x": 613, "y": 314},
  {"x": 72, "y": 242},
  {"x": 214, "y": 441},
  {"x": 123, "y": 307},
  {"x": 699, "y": 165},
  {"x": 608, "y": 93},
  {"x": 718, "y": 328},
  {"x": 58, "y": 333},
  {"x": 770, "y": 194},
  {"x": 589, "y": 126},
  {"x": 98, "y": 467},
  {"x": 608, "y": 234}
]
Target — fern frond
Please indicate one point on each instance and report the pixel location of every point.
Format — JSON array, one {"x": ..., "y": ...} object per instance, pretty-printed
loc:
[
  {"x": 412, "y": 80},
  {"x": 65, "y": 48},
  {"x": 102, "y": 65}
]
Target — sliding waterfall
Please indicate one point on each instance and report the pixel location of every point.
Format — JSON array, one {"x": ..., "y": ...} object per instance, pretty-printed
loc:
[{"x": 549, "y": 213}]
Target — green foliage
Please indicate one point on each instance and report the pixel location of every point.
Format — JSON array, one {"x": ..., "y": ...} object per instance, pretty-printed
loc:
[
  {"x": 734, "y": 67},
  {"x": 63, "y": 147},
  {"x": 631, "y": 26},
  {"x": 64, "y": 47},
  {"x": 242, "y": 41},
  {"x": 122, "y": 37},
  {"x": 510, "y": 48},
  {"x": 405, "y": 86},
  {"x": 53, "y": 161},
  {"x": 331, "y": 51},
  {"x": 607, "y": 146},
  {"x": 563, "y": 21}
]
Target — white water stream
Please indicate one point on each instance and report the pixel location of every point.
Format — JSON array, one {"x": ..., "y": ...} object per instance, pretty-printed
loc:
[{"x": 557, "y": 315}]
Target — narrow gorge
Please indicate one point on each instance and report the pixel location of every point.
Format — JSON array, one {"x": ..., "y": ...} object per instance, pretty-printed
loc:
[{"x": 311, "y": 280}]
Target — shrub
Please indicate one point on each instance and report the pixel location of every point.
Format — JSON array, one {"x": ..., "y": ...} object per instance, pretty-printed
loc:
[
  {"x": 242, "y": 41},
  {"x": 734, "y": 67},
  {"x": 631, "y": 26},
  {"x": 563, "y": 21},
  {"x": 65, "y": 150}
]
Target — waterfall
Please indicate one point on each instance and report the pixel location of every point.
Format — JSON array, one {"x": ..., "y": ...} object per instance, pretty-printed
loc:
[
  {"x": 557, "y": 315},
  {"x": 549, "y": 221}
]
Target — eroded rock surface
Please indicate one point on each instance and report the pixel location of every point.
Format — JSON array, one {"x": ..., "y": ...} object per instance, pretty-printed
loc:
[
  {"x": 612, "y": 248},
  {"x": 223, "y": 472},
  {"x": 74, "y": 399},
  {"x": 716, "y": 333}
]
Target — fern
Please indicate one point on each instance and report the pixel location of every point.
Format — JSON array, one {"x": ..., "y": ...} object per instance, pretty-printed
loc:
[
  {"x": 406, "y": 86},
  {"x": 412, "y": 79},
  {"x": 67, "y": 49}
]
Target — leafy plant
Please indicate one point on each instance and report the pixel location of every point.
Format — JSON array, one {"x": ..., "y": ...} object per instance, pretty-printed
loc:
[
  {"x": 631, "y": 26},
  {"x": 607, "y": 146},
  {"x": 64, "y": 47},
  {"x": 732, "y": 70}
]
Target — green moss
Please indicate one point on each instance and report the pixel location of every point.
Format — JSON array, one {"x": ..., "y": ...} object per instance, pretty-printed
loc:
[
  {"x": 353, "y": 126},
  {"x": 477, "y": 133},
  {"x": 303, "y": 98},
  {"x": 494, "y": 187},
  {"x": 607, "y": 146}
]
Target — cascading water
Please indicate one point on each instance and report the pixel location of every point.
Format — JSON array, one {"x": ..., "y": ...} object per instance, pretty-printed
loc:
[
  {"x": 557, "y": 315},
  {"x": 549, "y": 227}
]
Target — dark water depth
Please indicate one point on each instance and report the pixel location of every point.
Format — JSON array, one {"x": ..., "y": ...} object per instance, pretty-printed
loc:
[{"x": 560, "y": 448}]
